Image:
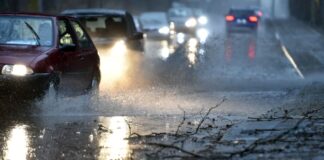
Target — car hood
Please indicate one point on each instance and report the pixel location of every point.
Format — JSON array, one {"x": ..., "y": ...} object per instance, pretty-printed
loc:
[
  {"x": 20, "y": 55},
  {"x": 179, "y": 20},
  {"x": 150, "y": 28}
]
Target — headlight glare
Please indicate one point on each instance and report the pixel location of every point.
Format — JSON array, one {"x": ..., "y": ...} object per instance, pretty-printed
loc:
[
  {"x": 203, "y": 20},
  {"x": 16, "y": 70},
  {"x": 190, "y": 23},
  {"x": 119, "y": 47},
  {"x": 164, "y": 30}
]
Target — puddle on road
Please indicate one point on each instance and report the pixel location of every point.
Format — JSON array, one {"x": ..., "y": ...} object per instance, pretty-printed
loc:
[
  {"x": 76, "y": 137},
  {"x": 113, "y": 144},
  {"x": 17, "y": 144}
]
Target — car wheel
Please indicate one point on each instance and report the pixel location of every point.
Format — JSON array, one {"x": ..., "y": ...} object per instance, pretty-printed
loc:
[
  {"x": 93, "y": 88},
  {"x": 52, "y": 91},
  {"x": 95, "y": 81}
]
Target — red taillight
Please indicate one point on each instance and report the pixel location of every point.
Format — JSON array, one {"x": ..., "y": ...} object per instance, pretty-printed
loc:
[
  {"x": 253, "y": 19},
  {"x": 229, "y": 18}
]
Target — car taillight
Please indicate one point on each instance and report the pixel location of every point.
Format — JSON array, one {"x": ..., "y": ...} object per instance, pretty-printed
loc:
[
  {"x": 229, "y": 18},
  {"x": 253, "y": 19}
]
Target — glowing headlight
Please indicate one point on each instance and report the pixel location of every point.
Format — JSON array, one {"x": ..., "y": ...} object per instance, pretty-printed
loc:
[
  {"x": 192, "y": 58},
  {"x": 119, "y": 47},
  {"x": 203, "y": 20},
  {"x": 16, "y": 70},
  {"x": 190, "y": 23},
  {"x": 202, "y": 34},
  {"x": 172, "y": 26},
  {"x": 164, "y": 30},
  {"x": 181, "y": 38}
]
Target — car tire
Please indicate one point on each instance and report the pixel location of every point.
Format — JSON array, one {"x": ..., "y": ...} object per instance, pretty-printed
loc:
[
  {"x": 93, "y": 87},
  {"x": 52, "y": 91}
]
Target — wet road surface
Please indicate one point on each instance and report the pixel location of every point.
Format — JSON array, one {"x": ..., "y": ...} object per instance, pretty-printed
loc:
[{"x": 249, "y": 69}]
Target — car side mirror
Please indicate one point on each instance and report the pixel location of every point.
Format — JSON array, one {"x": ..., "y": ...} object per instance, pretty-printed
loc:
[
  {"x": 137, "y": 36},
  {"x": 68, "y": 47}
]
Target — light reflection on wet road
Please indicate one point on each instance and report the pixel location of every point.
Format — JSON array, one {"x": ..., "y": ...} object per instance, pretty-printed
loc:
[
  {"x": 114, "y": 144},
  {"x": 17, "y": 145},
  {"x": 250, "y": 70}
]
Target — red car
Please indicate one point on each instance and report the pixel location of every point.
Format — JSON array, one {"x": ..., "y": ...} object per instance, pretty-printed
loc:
[{"x": 40, "y": 52}]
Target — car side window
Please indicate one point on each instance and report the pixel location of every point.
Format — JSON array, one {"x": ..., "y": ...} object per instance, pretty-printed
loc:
[
  {"x": 132, "y": 26},
  {"x": 65, "y": 34},
  {"x": 83, "y": 40}
]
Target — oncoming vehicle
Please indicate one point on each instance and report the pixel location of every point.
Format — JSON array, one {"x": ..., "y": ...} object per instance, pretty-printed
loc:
[
  {"x": 120, "y": 45},
  {"x": 183, "y": 19},
  {"x": 155, "y": 25},
  {"x": 242, "y": 18},
  {"x": 109, "y": 28},
  {"x": 43, "y": 52}
]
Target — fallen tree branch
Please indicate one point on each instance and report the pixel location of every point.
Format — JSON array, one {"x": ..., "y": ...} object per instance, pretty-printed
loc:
[
  {"x": 182, "y": 122},
  {"x": 176, "y": 148},
  {"x": 254, "y": 145},
  {"x": 207, "y": 114},
  {"x": 129, "y": 128}
]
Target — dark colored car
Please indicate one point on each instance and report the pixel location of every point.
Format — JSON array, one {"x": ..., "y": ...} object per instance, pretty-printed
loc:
[
  {"x": 109, "y": 27},
  {"x": 40, "y": 52},
  {"x": 242, "y": 18},
  {"x": 183, "y": 19},
  {"x": 155, "y": 25}
]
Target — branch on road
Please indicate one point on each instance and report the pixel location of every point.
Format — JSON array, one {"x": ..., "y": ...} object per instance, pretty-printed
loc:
[
  {"x": 130, "y": 133},
  {"x": 253, "y": 146},
  {"x": 207, "y": 114},
  {"x": 176, "y": 148},
  {"x": 183, "y": 120}
]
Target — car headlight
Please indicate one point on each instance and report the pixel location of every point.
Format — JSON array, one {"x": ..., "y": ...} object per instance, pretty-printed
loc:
[
  {"x": 202, "y": 34},
  {"x": 16, "y": 70},
  {"x": 190, "y": 23},
  {"x": 164, "y": 30},
  {"x": 203, "y": 20},
  {"x": 181, "y": 37},
  {"x": 119, "y": 47}
]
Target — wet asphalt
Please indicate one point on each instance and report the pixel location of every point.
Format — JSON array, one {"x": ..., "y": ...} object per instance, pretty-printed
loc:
[{"x": 248, "y": 68}]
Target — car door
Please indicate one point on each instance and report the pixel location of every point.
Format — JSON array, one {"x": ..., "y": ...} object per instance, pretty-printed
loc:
[
  {"x": 87, "y": 54},
  {"x": 135, "y": 41},
  {"x": 71, "y": 73}
]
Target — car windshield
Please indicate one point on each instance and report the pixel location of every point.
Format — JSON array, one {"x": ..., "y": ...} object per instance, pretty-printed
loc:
[
  {"x": 153, "y": 20},
  {"x": 180, "y": 12},
  {"x": 105, "y": 26},
  {"x": 16, "y": 30}
]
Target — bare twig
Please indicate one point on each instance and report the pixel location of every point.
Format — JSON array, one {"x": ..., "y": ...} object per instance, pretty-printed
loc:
[
  {"x": 183, "y": 120},
  {"x": 176, "y": 148},
  {"x": 129, "y": 128},
  {"x": 207, "y": 114},
  {"x": 308, "y": 113},
  {"x": 252, "y": 146},
  {"x": 130, "y": 132}
]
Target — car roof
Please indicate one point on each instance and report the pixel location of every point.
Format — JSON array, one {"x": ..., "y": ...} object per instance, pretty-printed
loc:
[
  {"x": 242, "y": 9},
  {"x": 29, "y": 14},
  {"x": 153, "y": 14},
  {"x": 94, "y": 11}
]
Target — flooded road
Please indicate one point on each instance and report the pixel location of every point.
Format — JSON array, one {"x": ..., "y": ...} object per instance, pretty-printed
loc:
[{"x": 249, "y": 69}]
